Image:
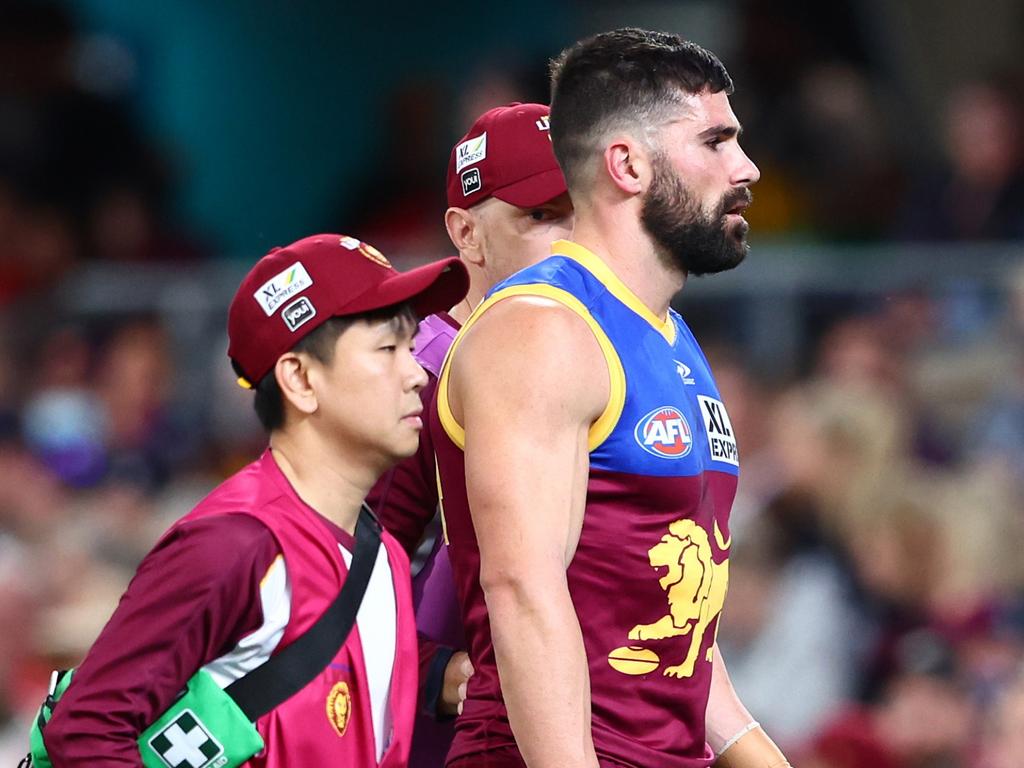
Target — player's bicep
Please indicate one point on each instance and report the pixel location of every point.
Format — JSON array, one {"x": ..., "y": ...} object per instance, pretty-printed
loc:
[{"x": 530, "y": 383}]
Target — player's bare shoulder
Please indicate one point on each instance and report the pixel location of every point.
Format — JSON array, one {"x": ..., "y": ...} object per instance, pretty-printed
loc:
[{"x": 530, "y": 347}]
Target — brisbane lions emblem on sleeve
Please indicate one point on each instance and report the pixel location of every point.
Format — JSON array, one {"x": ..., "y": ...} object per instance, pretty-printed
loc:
[{"x": 339, "y": 707}]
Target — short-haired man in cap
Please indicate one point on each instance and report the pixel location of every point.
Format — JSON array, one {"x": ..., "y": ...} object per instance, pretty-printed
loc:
[
  {"x": 593, "y": 567},
  {"x": 322, "y": 330},
  {"x": 507, "y": 203}
]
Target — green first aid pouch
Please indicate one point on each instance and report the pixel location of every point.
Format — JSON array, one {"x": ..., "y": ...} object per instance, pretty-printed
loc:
[
  {"x": 213, "y": 727},
  {"x": 204, "y": 727}
]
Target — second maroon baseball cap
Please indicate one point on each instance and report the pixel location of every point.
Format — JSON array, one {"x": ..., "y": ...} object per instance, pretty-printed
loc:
[
  {"x": 506, "y": 154},
  {"x": 293, "y": 290}
]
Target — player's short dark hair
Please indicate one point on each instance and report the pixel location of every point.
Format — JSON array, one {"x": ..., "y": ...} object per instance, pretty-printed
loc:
[
  {"x": 319, "y": 344},
  {"x": 626, "y": 77}
]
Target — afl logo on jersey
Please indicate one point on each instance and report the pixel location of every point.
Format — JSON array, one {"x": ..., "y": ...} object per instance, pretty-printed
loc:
[{"x": 665, "y": 433}]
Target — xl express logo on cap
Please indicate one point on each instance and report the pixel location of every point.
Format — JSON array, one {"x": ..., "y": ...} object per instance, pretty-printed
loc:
[
  {"x": 282, "y": 286},
  {"x": 471, "y": 151}
]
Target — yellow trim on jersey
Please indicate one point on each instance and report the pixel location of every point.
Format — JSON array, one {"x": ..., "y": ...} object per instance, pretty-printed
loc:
[
  {"x": 605, "y": 423},
  {"x": 277, "y": 561},
  {"x": 451, "y": 427},
  {"x": 593, "y": 264},
  {"x": 440, "y": 501}
]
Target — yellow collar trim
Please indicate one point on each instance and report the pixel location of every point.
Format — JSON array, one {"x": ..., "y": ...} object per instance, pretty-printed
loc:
[{"x": 593, "y": 264}]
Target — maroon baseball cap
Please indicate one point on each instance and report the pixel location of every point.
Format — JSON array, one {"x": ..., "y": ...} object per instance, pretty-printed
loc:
[
  {"x": 507, "y": 154},
  {"x": 293, "y": 290}
]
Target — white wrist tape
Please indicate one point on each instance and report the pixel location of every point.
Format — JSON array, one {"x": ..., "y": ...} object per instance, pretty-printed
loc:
[{"x": 743, "y": 732}]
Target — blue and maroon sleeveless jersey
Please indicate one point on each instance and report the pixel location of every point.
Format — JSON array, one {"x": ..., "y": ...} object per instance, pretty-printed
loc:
[{"x": 650, "y": 574}]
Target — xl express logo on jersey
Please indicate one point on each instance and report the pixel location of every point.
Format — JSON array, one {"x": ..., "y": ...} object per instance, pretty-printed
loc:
[
  {"x": 664, "y": 432},
  {"x": 721, "y": 439},
  {"x": 282, "y": 286}
]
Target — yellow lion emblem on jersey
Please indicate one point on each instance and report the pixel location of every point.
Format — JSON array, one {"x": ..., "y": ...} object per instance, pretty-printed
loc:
[
  {"x": 695, "y": 585},
  {"x": 339, "y": 707}
]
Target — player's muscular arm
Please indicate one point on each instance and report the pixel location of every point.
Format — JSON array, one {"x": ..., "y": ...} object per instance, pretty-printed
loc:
[
  {"x": 528, "y": 382},
  {"x": 726, "y": 715},
  {"x": 735, "y": 737}
]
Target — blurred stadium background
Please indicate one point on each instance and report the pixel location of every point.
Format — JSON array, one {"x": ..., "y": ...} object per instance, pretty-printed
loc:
[{"x": 870, "y": 350}]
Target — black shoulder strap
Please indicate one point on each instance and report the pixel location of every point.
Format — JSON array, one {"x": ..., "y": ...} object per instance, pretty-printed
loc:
[{"x": 286, "y": 673}]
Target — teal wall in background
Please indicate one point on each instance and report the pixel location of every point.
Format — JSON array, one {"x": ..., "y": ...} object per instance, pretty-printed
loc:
[{"x": 267, "y": 109}]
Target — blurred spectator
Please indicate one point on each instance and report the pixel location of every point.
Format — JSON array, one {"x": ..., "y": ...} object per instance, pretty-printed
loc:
[
  {"x": 133, "y": 380},
  {"x": 979, "y": 194},
  {"x": 892, "y": 351},
  {"x": 936, "y": 552},
  {"x": 1002, "y": 416},
  {"x": 62, "y": 421},
  {"x": 841, "y": 445},
  {"x": 817, "y": 122},
  {"x": 978, "y": 514},
  {"x": 967, "y": 386},
  {"x": 37, "y": 243},
  {"x": 32, "y": 501},
  {"x": 107, "y": 415},
  {"x": 125, "y": 223},
  {"x": 78, "y": 178},
  {"x": 923, "y": 719},
  {"x": 856, "y": 353},
  {"x": 840, "y": 150}
]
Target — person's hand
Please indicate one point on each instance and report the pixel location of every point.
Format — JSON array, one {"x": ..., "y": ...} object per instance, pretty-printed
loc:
[{"x": 456, "y": 675}]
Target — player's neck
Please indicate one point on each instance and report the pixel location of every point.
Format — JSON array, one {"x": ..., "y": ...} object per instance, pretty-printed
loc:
[
  {"x": 623, "y": 244},
  {"x": 324, "y": 477},
  {"x": 460, "y": 312},
  {"x": 477, "y": 288}
]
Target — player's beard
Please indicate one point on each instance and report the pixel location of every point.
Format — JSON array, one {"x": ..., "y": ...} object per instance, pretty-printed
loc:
[{"x": 690, "y": 240}]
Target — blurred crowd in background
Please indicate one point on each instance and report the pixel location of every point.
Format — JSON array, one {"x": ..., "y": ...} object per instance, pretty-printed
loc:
[{"x": 876, "y": 607}]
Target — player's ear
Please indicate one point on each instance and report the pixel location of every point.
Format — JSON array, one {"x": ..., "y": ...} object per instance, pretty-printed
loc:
[
  {"x": 465, "y": 234},
  {"x": 627, "y": 164},
  {"x": 293, "y": 379}
]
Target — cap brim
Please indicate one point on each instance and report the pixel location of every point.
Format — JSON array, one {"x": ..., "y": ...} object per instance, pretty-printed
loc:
[
  {"x": 534, "y": 190},
  {"x": 432, "y": 288}
]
